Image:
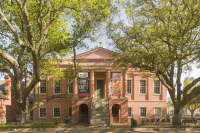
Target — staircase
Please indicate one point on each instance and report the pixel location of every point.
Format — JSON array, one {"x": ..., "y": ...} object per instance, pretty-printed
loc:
[{"x": 100, "y": 113}]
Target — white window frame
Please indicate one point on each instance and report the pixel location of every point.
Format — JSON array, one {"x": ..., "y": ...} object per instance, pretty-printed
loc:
[
  {"x": 68, "y": 112},
  {"x": 128, "y": 112},
  {"x": 145, "y": 87},
  {"x": 155, "y": 111},
  {"x": 53, "y": 111},
  {"x": 46, "y": 88},
  {"x": 39, "y": 111},
  {"x": 140, "y": 112},
  {"x": 54, "y": 88},
  {"x": 154, "y": 87},
  {"x": 127, "y": 86},
  {"x": 72, "y": 88}
]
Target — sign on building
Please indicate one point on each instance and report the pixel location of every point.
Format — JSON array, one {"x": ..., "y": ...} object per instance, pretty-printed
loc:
[
  {"x": 83, "y": 85},
  {"x": 116, "y": 84}
]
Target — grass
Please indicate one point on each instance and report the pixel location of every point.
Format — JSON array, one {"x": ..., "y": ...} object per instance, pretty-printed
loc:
[{"x": 31, "y": 125}]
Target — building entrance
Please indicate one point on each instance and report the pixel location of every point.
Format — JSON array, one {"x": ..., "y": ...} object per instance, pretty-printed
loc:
[
  {"x": 115, "y": 113},
  {"x": 83, "y": 113},
  {"x": 100, "y": 88}
]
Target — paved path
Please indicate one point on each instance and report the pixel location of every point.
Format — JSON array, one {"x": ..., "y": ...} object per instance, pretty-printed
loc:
[{"x": 106, "y": 132}]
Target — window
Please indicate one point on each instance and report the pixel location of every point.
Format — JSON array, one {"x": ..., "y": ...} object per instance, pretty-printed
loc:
[
  {"x": 42, "y": 87},
  {"x": 70, "y": 112},
  {"x": 158, "y": 113},
  {"x": 42, "y": 112},
  {"x": 143, "y": 86},
  {"x": 56, "y": 112},
  {"x": 143, "y": 112},
  {"x": 156, "y": 87},
  {"x": 70, "y": 88},
  {"x": 57, "y": 87},
  {"x": 129, "y": 111},
  {"x": 129, "y": 86}
]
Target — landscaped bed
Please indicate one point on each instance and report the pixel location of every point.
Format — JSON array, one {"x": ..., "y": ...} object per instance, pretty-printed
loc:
[{"x": 30, "y": 125}]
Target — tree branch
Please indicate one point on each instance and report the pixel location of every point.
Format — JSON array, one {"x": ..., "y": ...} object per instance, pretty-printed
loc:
[
  {"x": 41, "y": 103},
  {"x": 189, "y": 86},
  {"x": 11, "y": 27},
  {"x": 187, "y": 97},
  {"x": 27, "y": 21}
]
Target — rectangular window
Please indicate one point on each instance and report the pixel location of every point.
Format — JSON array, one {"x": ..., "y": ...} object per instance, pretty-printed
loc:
[
  {"x": 42, "y": 111},
  {"x": 129, "y": 111},
  {"x": 158, "y": 113},
  {"x": 143, "y": 86},
  {"x": 70, "y": 88},
  {"x": 42, "y": 87},
  {"x": 70, "y": 112},
  {"x": 129, "y": 86},
  {"x": 57, "y": 87},
  {"x": 156, "y": 86},
  {"x": 143, "y": 112},
  {"x": 56, "y": 112}
]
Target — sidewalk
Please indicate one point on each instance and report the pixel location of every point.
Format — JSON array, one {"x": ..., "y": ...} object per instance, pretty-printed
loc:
[{"x": 113, "y": 127}]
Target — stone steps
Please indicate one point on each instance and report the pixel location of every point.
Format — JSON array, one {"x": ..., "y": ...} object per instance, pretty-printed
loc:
[{"x": 100, "y": 113}]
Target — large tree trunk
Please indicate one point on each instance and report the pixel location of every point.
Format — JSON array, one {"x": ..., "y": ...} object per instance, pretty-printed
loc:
[
  {"x": 177, "y": 116},
  {"x": 192, "y": 113},
  {"x": 25, "y": 117}
]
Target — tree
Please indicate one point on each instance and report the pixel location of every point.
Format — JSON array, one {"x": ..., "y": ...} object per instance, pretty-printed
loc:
[
  {"x": 193, "y": 104},
  {"x": 161, "y": 37},
  {"x": 36, "y": 34}
]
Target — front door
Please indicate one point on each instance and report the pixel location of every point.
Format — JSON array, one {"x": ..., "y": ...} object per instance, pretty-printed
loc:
[{"x": 100, "y": 88}]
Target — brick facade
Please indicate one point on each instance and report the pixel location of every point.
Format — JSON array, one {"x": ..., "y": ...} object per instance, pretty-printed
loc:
[{"x": 143, "y": 103}]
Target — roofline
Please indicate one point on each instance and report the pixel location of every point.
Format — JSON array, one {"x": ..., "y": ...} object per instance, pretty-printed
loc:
[{"x": 92, "y": 50}]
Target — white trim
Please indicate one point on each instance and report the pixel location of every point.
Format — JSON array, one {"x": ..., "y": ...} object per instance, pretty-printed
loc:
[
  {"x": 39, "y": 111},
  {"x": 53, "y": 111},
  {"x": 103, "y": 86},
  {"x": 131, "y": 112},
  {"x": 127, "y": 86},
  {"x": 72, "y": 87},
  {"x": 155, "y": 111},
  {"x": 154, "y": 88},
  {"x": 68, "y": 112},
  {"x": 46, "y": 88},
  {"x": 140, "y": 112},
  {"x": 54, "y": 88},
  {"x": 145, "y": 88}
]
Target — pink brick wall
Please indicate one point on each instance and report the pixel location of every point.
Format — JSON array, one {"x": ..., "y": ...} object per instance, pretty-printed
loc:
[{"x": 135, "y": 100}]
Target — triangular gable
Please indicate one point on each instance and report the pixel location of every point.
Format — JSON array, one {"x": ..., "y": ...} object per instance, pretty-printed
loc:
[{"x": 97, "y": 53}]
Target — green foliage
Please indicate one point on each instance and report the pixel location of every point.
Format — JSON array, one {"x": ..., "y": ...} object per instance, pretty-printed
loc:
[
  {"x": 29, "y": 125},
  {"x": 36, "y": 36},
  {"x": 143, "y": 121},
  {"x": 160, "y": 37},
  {"x": 193, "y": 104},
  {"x": 56, "y": 122}
]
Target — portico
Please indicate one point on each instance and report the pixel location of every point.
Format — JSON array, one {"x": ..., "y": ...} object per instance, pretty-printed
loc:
[{"x": 96, "y": 78}]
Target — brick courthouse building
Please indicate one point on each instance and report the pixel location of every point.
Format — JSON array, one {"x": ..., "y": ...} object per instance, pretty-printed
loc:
[{"x": 137, "y": 96}]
